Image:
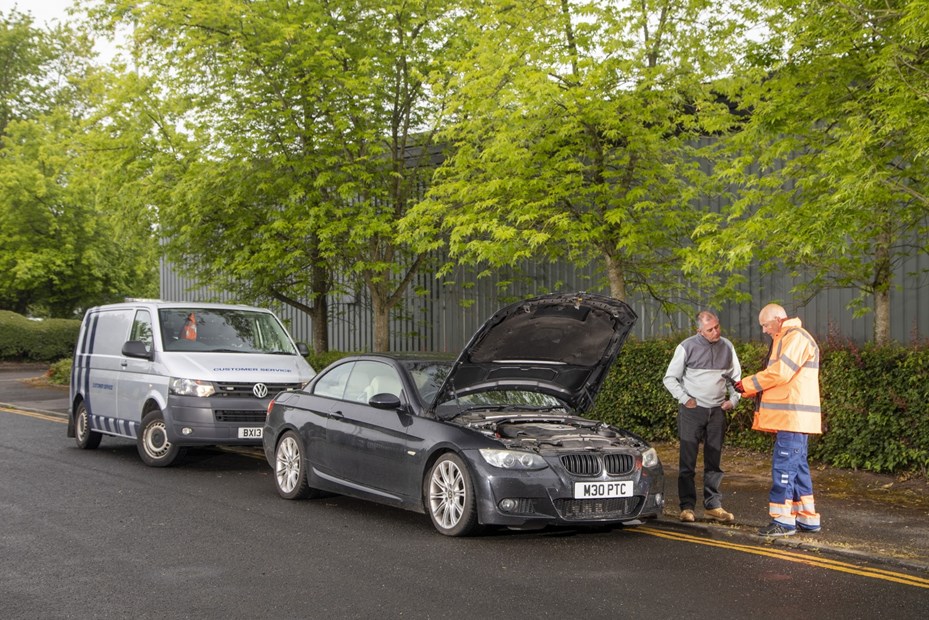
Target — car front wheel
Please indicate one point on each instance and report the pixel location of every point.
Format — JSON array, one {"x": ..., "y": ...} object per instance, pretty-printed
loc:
[
  {"x": 153, "y": 445},
  {"x": 450, "y": 499},
  {"x": 86, "y": 438}
]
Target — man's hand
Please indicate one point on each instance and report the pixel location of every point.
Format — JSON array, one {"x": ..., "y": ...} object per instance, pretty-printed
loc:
[
  {"x": 727, "y": 405},
  {"x": 737, "y": 386},
  {"x": 691, "y": 403}
]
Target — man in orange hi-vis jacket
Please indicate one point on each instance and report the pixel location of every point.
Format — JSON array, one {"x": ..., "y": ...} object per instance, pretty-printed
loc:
[{"x": 790, "y": 407}]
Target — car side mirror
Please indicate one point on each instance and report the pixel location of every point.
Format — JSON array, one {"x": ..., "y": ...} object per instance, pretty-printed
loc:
[
  {"x": 137, "y": 348},
  {"x": 385, "y": 401},
  {"x": 302, "y": 349}
]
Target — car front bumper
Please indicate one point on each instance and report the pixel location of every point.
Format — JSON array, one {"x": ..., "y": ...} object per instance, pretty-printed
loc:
[{"x": 546, "y": 496}]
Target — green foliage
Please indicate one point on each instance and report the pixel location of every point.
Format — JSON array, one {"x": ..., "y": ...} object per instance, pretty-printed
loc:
[
  {"x": 574, "y": 129},
  {"x": 24, "y": 340},
  {"x": 63, "y": 249},
  {"x": 321, "y": 359},
  {"x": 874, "y": 403},
  {"x": 828, "y": 170},
  {"x": 59, "y": 373},
  {"x": 874, "y": 408}
]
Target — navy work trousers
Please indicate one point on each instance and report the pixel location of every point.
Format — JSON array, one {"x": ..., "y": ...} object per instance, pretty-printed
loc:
[{"x": 706, "y": 425}]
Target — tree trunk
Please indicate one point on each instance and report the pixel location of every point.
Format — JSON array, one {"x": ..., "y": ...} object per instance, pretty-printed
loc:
[
  {"x": 617, "y": 278},
  {"x": 381, "y": 311},
  {"x": 320, "y": 314},
  {"x": 883, "y": 280}
]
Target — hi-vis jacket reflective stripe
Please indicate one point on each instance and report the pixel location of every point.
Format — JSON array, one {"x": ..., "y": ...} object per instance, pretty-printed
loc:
[{"x": 790, "y": 383}]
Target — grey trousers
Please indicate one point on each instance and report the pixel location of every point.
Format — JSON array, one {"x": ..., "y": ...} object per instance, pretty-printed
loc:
[{"x": 693, "y": 427}]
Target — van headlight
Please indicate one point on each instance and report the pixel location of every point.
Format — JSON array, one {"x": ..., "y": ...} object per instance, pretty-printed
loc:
[
  {"x": 191, "y": 387},
  {"x": 513, "y": 459},
  {"x": 650, "y": 458}
]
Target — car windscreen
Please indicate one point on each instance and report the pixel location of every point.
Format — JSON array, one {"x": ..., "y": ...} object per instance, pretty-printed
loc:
[
  {"x": 500, "y": 400},
  {"x": 428, "y": 377},
  {"x": 220, "y": 330}
]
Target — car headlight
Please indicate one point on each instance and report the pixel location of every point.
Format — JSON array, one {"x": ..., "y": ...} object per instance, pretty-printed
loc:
[
  {"x": 513, "y": 459},
  {"x": 191, "y": 387},
  {"x": 650, "y": 458}
]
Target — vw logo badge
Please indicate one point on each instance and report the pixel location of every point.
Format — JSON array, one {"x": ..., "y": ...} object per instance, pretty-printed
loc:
[{"x": 260, "y": 390}]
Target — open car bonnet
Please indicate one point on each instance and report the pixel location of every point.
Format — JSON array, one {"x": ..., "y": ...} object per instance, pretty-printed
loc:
[{"x": 561, "y": 345}]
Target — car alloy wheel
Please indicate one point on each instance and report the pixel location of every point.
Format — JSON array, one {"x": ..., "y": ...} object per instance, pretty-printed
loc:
[
  {"x": 450, "y": 497},
  {"x": 287, "y": 464}
]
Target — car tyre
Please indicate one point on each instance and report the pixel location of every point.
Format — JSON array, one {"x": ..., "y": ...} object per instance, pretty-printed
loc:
[
  {"x": 86, "y": 438},
  {"x": 154, "y": 447},
  {"x": 449, "y": 494},
  {"x": 290, "y": 469}
]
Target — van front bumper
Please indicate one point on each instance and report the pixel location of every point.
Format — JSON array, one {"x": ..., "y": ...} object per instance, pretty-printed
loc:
[{"x": 225, "y": 420}]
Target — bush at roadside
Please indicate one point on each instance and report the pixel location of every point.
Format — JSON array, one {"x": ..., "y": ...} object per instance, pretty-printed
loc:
[{"x": 25, "y": 340}]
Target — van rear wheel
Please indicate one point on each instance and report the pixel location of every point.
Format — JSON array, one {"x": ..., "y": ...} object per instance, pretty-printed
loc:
[
  {"x": 154, "y": 447},
  {"x": 86, "y": 438}
]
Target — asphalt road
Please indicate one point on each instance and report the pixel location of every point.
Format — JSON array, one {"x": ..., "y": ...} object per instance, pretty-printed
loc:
[{"x": 96, "y": 534}]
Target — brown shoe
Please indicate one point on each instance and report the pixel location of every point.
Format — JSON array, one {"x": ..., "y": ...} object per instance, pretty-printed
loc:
[
  {"x": 719, "y": 514},
  {"x": 687, "y": 516}
]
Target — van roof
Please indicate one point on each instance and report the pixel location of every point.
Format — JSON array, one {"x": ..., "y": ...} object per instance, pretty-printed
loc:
[{"x": 158, "y": 303}]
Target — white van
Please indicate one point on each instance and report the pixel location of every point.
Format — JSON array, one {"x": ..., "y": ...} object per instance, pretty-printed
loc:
[{"x": 175, "y": 374}]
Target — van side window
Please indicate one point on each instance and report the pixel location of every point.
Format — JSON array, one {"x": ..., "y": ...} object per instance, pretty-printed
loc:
[
  {"x": 110, "y": 331},
  {"x": 142, "y": 328}
]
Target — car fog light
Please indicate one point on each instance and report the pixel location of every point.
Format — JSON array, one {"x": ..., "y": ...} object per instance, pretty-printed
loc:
[
  {"x": 186, "y": 430},
  {"x": 507, "y": 505}
]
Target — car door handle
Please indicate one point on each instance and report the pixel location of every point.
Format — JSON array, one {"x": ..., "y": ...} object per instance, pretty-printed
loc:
[{"x": 337, "y": 414}]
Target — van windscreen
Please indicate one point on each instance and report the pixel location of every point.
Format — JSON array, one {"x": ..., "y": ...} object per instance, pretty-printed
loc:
[{"x": 220, "y": 330}]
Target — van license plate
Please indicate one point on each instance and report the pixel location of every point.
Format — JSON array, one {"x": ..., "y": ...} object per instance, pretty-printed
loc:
[
  {"x": 250, "y": 433},
  {"x": 601, "y": 490}
]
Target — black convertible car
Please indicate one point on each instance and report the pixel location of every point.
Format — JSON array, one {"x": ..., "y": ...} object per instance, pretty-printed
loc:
[{"x": 491, "y": 438}]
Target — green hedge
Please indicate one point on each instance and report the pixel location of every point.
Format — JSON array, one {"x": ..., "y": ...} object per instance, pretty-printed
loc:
[{"x": 43, "y": 341}]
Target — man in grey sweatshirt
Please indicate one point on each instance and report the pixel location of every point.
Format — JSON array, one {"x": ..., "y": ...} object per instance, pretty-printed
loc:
[{"x": 696, "y": 378}]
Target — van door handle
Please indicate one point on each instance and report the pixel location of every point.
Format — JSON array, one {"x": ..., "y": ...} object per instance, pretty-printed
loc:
[{"x": 124, "y": 364}]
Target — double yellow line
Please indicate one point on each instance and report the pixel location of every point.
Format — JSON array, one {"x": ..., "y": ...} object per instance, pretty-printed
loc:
[
  {"x": 35, "y": 414},
  {"x": 790, "y": 556}
]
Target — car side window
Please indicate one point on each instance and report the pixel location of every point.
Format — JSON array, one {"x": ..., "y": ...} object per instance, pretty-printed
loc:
[
  {"x": 370, "y": 378},
  {"x": 332, "y": 383}
]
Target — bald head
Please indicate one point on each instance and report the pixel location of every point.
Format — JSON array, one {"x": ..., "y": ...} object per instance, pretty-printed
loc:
[{"x": 771, "y": 317}]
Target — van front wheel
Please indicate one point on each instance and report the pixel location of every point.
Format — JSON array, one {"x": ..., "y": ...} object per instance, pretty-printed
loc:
[{"x": 153, "y": 444}]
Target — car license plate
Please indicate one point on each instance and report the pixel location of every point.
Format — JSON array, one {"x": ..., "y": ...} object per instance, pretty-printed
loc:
[
  {"x": 250, "y": 432},
  {"x": 600, "y": 490}
]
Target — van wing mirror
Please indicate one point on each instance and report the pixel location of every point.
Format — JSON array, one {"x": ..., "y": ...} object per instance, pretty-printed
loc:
[
  {"x": 137, "y": 348},
  {"x": 302, "y": 349}
]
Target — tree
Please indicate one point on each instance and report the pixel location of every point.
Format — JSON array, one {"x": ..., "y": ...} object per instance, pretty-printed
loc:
[
  {"x": 303, "y": 119},
  {"x": 830, "y": 166},
  {"x": 575, "y": 133},
  {"x": 61, "y": 251}
]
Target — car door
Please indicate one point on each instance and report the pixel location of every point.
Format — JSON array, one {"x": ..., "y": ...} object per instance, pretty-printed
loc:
[{"x": 367, "y": 446}]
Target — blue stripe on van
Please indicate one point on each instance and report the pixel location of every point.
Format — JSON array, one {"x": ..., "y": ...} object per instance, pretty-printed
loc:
[{"x": 114, "y": 426}]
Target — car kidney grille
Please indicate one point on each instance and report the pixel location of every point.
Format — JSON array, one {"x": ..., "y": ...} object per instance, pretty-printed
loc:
[
  {"x": 240, "y": 415},
  {"x": 619, "y": 464},
  {"x": 582, "y": 464},
  {"x": 614, "y": 508},
  {"x": 245, "y": 389}
]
